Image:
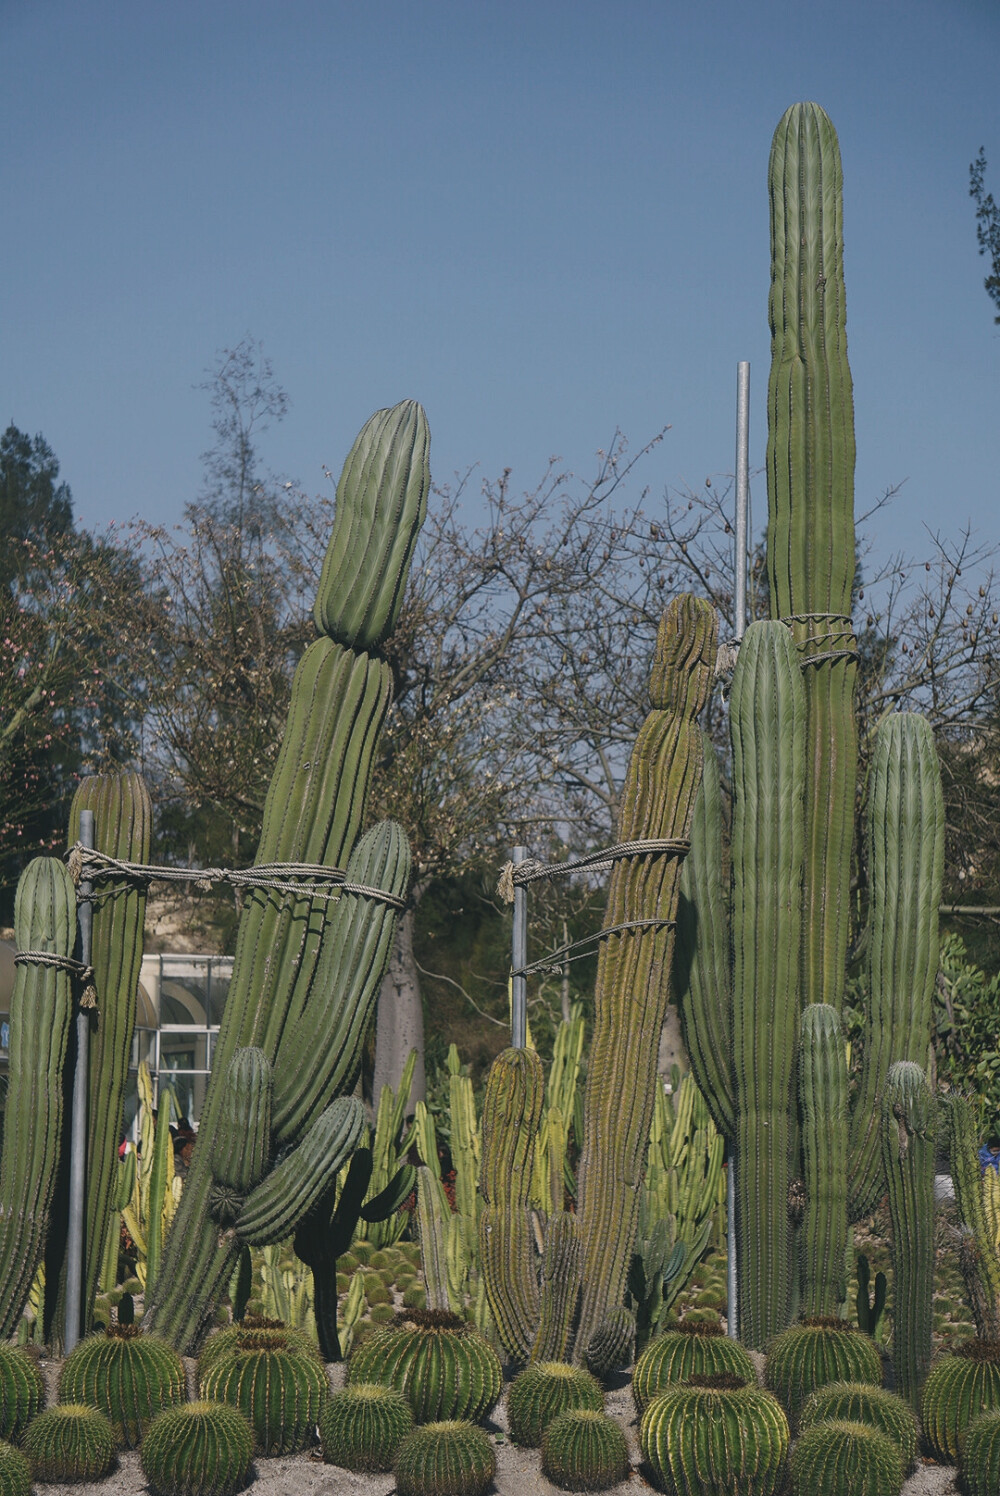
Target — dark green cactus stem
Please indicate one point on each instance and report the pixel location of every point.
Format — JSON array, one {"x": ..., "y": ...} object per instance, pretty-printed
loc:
[
  {"x": 810, "y": 531},
  {"x": 908, "y": 1150},
  {"x": 447, "y": 1458},
  {"x": 281, "y": 986},
  {"x": 199, "y": 1449},
  {"x": 978, "y": 1254},
  {"x": 767, "y": 726},
  {"x": 362, "y": 1427},
  {"x": 15, "y": 1472},
  {"x": 874, "y": 1406},
  {"x": 70, "y": 1443},
  {"x": 905, "y": 840},
  {"x": 823, "y": 1096},
  {"x": 584, "y": 1450},
  {"x": 841, "y": 1458},
  {"x": 981, "y": 1455},
  {"x": 870, "y": 1305},
  {"x": 41, "y": 1013},
  {"x": 128, "y": 1378},
  {"x": 956, "y": 1391},
  {"x": 22, "y": 1392},
  {"x": 721, "y": 1436},
  {"x": 633, "y": 969}
]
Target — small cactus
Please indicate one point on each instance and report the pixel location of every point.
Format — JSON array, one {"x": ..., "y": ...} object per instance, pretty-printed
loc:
[
  {"x": 693, "y": 1349},
  {"x": 854, "y": 1402},
  {"x": 70, "y": 1442},
  {"x": 956, "y": 1391},
  {"x": 198, "y": 1449},
  {"x": 128, "y": 1377},
  {"x": 441, "y": 1365},
  {"x": 841, "y": 1458},
  {"x": 542, "y": 1392},
  {"x": 22, "y": 1392},
  {"x": 362, "y": 1427},
  {"x": 280, "y": 1391},
  {"x": 816, "y": 1352},
  {"x": 612, "y": 1343},
  {"x": 447, "y": 1458},
  {"x": 980, "y": 1460},
  {"x": 584, "y": 1450},
  {"x": 716, "y": 1434},
  {"x": 15, "y": 1472}
]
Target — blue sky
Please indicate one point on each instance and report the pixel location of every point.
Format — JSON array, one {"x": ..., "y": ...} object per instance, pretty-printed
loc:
[{"x": 544, "y": 220}]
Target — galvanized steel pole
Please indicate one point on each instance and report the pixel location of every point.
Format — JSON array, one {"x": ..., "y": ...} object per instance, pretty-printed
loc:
[
  {"x": 519, "y": 960},
  {"x": 78, "y": 1136}
]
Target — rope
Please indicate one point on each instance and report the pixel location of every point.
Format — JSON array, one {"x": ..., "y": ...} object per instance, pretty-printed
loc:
[
  {"x": 547, "y": 963},
  {"x": 310, "y": 879},
  {"x": 88, "y": 998},
  {"x": 515, "y": 874}
]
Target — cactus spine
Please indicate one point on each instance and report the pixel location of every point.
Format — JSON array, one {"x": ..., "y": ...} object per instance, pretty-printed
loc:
[
  {"x": 542, "y": 1391},
  {"x": 717, "y": 1437},
  {"x": 15, "y": 1472},
  {"x": 447, "y": 1458},
  {"x": 854, "y": 1402},
  {"x": 908, "y": 1147},
  {"x": 362, "y": 1427},
  {"x": 441, "y": 1365},
  {"x": 981, "y": 1455},
  {"x": 40, "y": 1019},
  {"x": 584, "y": 1450},
  {"x": 956, "y": 1391},
  {"x": 198, "y": 1449},
  {"x": 691, "y": 1350},
  {"x": 841, "y": 1458},
  {"x": 284, "y": 997},
  {"x": 813, "y": 1354},
  {"x": 71, "y": 1442},
  {"x": 127, "y": 1377},
  {"x": 22, "y": 1392}
]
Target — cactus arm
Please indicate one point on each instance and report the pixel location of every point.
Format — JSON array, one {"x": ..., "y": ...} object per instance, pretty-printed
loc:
[
  {"x": 294, "y": 1186},
  {"x": 633, "y": 971},
  {"x": 908, "y": 1147},
  {"x": 767, "y": 725},
  {"x": 40, "y": 1019},
  {"x": 823, "y": 1096},
  {"x": 905, "y": 839},
  {"x": 810, "y": 533},
  {"x": 703, "y": 977}
]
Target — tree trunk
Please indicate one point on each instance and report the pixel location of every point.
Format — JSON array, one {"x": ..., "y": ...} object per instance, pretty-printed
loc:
[{"x": 400, "y": 1021}]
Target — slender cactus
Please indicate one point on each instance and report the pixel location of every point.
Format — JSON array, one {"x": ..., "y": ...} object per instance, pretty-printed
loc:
[
  {"x": 908, "y": 1146},
  {"x": 823, "y": 1091},
  {"x": 980, "y": 1245}
]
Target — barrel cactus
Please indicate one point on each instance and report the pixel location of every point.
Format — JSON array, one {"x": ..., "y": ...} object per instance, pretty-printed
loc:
[
  {"x": 450, "y": 1457},
  {"x": 715, "y": 1435},
  {"x": 980, "y": 1461},
  {"x": 693, "y": 1349},
  {"x": 362, "y": 1427},
  {"x": 816, "y": 1352},
  {"x": 542, "y": 1392},
  {"x": 279, "y": 1391},
  {"x": 259, "y": 1334},
  {"x": 876, "y": 1407},
  {"x": 441, "y": 1365},
  {"x": 128, "y": 1377},
  {"x": 70, "y": 1442},
  {"x": 22, "y": 1392},
  {"x": 198, "y": 1449},
  {"x": 841, "y": 1458},
  {"x": 956, "y": 1391},
  {"x": 584, "y": 1450},
  {"x": 15, "y": 1472}
]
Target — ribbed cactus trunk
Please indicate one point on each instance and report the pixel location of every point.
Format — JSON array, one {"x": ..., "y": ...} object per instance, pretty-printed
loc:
[
  {"x": 41, "y": 1014},
  {"x": 810, "y": 531},
  {"x": 908, "y": 1148},
  {"x": 281, "y": 998},
  {"x": 123, "y": 816},
  {"x": 823, "y": 1096}
]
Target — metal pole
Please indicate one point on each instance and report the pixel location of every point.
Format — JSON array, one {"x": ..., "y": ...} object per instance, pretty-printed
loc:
[
  {"x": 742, "y": 494},
  {"x": 78, "y": 1143},
  {"x": 739, "y": 625},
  {"x": 519, "y": 960}
]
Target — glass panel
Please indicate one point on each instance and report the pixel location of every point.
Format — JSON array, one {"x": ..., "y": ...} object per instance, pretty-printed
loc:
[{"x": 143, "y": 1048}]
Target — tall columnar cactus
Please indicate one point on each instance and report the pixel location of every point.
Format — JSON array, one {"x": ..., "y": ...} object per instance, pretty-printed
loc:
[
  {"x": 908, "y": 1149},
  {"x": 977, "y": 1195},
  {"x": 41, "y": 1013},
  {"x": 307, "y": 968},
  {"x": 123, "y": 816}
]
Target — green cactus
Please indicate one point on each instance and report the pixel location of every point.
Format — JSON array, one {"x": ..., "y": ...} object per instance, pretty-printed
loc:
[
  {"x": 446, "y": 1458},
  {"x": 841, "y": 1458},
  {"x": 15, "y": 1472},
  {"x": 362, "y": 1427},
  {"x": 127, "y": 1378},
  {"x": 294, "y": 1186},
  {"x": 715, "y": 1435},
  {"x": 854, "y": 1402},
  {"x": 199, "y": 1449},
  {"x": 908, "y": 1150},
  {"x": 980, "y": 1244},
  {"x": 823, "y": 1092},
  {"x": 817, "y": 1352},
  {"x": 957, "y": 1390},
  {"x": 613, "y": 1342},
  {"x": 41, "y": 1013},
  {"x": 441, "y": 1365},
  {"x": 263, "y": 1333},
  {"x": 584, "y": 1450},
  {"x": 241, "y": 1160},
  {"x": 980, "y": 1457},
  {"x": 542, "y": 1391},
  {"x": 22, "y": 1392},
  {"x": 298, "y": 991},
  {"x": 690, "y": 1350},
  {"x": 278, "y": 1389},
  {"x": 71, "y": 1442},
  {"x": 870, "y": 1305}
]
